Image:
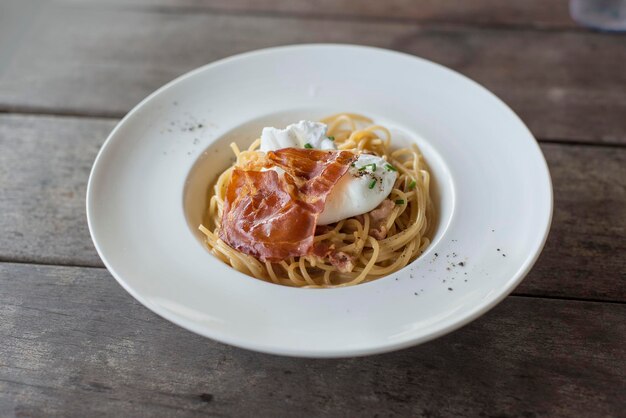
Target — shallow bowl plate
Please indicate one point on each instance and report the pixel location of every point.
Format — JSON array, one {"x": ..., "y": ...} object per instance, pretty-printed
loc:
[{"x": 147, "y": 193}]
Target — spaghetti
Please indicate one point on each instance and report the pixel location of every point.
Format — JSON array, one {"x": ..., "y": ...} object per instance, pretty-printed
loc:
[{"x": 365, "y": 247}]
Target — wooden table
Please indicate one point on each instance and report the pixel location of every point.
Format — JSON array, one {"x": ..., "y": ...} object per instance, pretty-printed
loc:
[{"x": 74, "y": 343}]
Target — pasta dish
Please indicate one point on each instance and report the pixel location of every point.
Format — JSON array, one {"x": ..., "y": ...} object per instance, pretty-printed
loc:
[{"x": 321, "y": 204}]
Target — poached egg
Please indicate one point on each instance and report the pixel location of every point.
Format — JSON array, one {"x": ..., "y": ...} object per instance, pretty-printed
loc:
[
  {"x": 298, "y": 135},
  {"x": 366, "y": 184}
]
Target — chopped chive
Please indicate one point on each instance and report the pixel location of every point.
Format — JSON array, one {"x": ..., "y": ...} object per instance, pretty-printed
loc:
[
  {"x": 372, "y": 184},
  {"x": 400, "y": 202},
  {"x": 332, "y": 138},
  {"x": 390, "y": 167},
  {"x": 307, "y": 145},
  {"x": 352, "y": 165},
  {"x": 412, "y": 184},
  {"x": 368, "y": 165}
]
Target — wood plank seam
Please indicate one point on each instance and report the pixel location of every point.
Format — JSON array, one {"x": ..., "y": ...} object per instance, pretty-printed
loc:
[
  {"x": 572, "y": 298},
  {"x": 514, "y": 293},
  {"x": 115, "y": 116},
  {"x": 10, "y": 110},
  {"x": 359, "y": 18},
  {"x": 569, "y": 142}
]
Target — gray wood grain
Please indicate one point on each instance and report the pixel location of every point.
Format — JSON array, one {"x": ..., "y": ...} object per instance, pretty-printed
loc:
[
  {"x": 99, "y": 61},
  {"x": 73, "y": 342},
  {"x": 535, "y": 13},
  {"x": 45, "y": 163},
  {"x": 44, "y": 167},
  {"x": 586, "y": 247}
]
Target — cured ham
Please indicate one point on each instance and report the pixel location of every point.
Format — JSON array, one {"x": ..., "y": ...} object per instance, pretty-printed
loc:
[{"x": 272, "y": 215}]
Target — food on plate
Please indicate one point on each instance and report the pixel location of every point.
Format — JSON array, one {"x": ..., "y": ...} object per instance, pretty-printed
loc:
[{"x": 321, "y": 204}]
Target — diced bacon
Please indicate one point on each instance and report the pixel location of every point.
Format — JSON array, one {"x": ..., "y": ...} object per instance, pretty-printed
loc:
[
  {"x": 378, "y": 218},
  {"x": 342, "y": 261}
]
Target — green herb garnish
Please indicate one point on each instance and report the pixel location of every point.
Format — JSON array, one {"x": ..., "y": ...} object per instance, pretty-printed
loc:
[
  {"x": 372, "y": 184},
  {"x": 332, "y": 138},
  {"x": 390, "y": 167},
  {"x": 307, "y": 145},
  {"x": 368, "y": 165},
  {"x": 400, "y": 202},
  {"x": 412, "y": 184}
]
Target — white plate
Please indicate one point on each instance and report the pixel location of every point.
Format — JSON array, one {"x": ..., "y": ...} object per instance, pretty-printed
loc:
[{"x": 146, "y": 196}]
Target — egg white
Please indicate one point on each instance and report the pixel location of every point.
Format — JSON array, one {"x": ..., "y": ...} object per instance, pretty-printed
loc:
[{"x": 359, "y": 191}]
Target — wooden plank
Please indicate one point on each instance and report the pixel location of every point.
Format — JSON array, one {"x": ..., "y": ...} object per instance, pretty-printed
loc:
[
  {"x": 46, "y": 161},
  {"x": 44, "y": 166},
  {"x": 565, "y": 85},
  {"x": 586, "y": 246},
  {"x": 533, "y": 13},
  {"x": 71, "y": 341}
]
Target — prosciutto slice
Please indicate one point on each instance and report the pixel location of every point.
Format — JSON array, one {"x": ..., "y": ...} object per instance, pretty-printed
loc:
[{"x": 272, "y": 216}]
